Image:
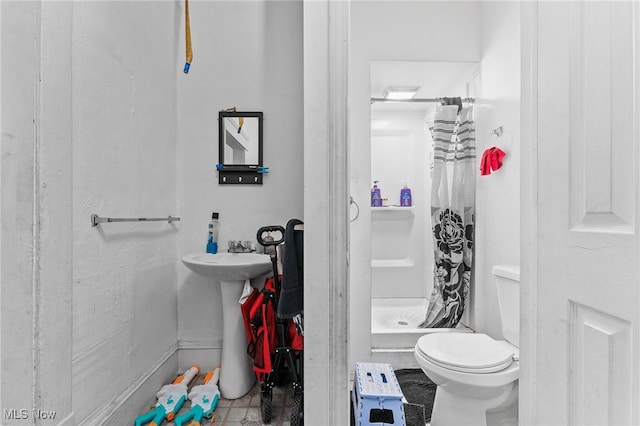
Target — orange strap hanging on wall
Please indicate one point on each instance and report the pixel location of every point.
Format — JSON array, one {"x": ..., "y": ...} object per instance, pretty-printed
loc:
[{"x": 187, "y": 37}]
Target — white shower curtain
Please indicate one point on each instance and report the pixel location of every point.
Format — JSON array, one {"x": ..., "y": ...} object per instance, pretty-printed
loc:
[{"x": 452, "y": 214}]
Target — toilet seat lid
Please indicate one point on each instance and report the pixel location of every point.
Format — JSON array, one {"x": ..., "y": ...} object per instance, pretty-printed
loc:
[{"x": 468, "y": 352}]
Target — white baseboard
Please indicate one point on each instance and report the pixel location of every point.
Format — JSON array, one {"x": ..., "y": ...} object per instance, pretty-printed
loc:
[
  {"x": 205, "y": 354},
  {"x": 136, "y": 398}
]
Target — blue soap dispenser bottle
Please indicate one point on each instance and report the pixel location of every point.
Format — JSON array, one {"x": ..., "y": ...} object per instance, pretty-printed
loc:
[
  {"x": 405, "y": 196},
  {"x": 376, "y": 198},
  {"x": 214, "y": 230}
]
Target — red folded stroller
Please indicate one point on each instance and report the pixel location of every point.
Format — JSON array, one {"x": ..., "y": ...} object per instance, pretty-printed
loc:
[{"x": 275, "y": 336}]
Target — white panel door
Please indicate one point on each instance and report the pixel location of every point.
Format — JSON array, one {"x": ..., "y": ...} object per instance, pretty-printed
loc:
[{"x": 587, "y": 301}]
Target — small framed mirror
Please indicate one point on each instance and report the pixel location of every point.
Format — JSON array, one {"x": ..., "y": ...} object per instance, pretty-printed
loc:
[{"x": 240, "y": 147}]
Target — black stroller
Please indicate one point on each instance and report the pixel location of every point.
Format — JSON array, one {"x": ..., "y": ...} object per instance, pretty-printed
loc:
[{"x": 282, "y": 308}]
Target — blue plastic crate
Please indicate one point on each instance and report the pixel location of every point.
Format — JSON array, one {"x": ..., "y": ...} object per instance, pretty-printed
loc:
[{"x": 376, "y": 395}]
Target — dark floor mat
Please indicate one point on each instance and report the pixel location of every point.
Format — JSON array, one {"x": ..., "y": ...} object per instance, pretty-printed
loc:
[
  {"x": 414, "y": 414},
  {"x": 417, "y": 388}
]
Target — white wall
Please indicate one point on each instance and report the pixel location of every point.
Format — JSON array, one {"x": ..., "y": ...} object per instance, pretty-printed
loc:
[
  {"x": 498, "y": 194},
  {"x": 247, "y": 55},
  {"x": 88, "y": 313},
  {"x": 93, "y": 309},
  {"x": 20, "y": 29},
  {"x": 386, "y": 31},
  {"x": 124, "y": 132},
  {"x": 400, "y": 241}
]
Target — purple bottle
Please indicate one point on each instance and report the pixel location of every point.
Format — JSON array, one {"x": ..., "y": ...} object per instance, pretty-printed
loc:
[
  {"x": 405, "y": 196},
  {"x": 376, "y": 199}
]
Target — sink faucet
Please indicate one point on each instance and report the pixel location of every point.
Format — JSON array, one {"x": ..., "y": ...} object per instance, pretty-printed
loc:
[{"x": 240, "y": 246}]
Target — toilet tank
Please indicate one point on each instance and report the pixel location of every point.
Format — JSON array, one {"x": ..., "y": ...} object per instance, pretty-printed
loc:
[{"x": 507, "y": 278}]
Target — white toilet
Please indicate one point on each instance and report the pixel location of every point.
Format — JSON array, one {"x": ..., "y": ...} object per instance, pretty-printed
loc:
[{"x": 477, "y": 376}]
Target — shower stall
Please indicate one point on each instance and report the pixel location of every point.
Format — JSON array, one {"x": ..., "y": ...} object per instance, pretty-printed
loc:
[{"x": 401, "y": 239}]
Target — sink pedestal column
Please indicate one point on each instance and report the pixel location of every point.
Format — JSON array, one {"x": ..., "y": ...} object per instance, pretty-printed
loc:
[
  {"x": 236, "y": 372},
  {"x": 232, "y": 269}
]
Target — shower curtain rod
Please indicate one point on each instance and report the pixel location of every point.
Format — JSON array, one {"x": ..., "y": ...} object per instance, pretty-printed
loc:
[{"x": 417, "y": 100}]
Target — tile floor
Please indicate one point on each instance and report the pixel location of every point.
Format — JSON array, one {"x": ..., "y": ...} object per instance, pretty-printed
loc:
[{"x": 245, "y": 411}]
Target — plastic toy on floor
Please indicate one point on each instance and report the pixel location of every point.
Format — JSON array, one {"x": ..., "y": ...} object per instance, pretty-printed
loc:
[
  {"x": 170, "y": 399},
  {"x": 204, "y": 399}
]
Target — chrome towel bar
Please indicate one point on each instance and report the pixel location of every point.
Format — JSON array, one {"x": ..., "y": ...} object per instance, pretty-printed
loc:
[{"x": 96, "y": 220}]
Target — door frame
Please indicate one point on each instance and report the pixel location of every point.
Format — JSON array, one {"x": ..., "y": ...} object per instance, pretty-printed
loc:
[
  {"x": 326, "y": 211},
  {"x": 529, "y": 218}
]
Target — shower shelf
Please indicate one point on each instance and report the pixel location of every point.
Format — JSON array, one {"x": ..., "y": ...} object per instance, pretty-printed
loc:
[
  {"x": 392, "y": 263},
  {"x": 392, "y": 209}
]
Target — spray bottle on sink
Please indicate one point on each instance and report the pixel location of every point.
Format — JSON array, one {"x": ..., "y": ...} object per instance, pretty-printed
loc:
[{"x": 214, "y": 230}]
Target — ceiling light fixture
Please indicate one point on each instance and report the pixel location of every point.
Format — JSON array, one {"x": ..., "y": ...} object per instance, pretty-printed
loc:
[{"x": 400, "y": 92}]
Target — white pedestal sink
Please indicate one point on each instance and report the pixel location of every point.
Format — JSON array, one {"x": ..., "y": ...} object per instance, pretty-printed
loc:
[{"x": 232, "y": 269}]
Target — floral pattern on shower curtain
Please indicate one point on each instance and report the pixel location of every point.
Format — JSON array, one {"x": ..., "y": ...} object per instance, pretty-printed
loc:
[{"x": 452, "y": 214}]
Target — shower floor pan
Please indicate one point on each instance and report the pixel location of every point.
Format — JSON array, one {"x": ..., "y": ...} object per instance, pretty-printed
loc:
[{"x": 394, "y": 323}]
